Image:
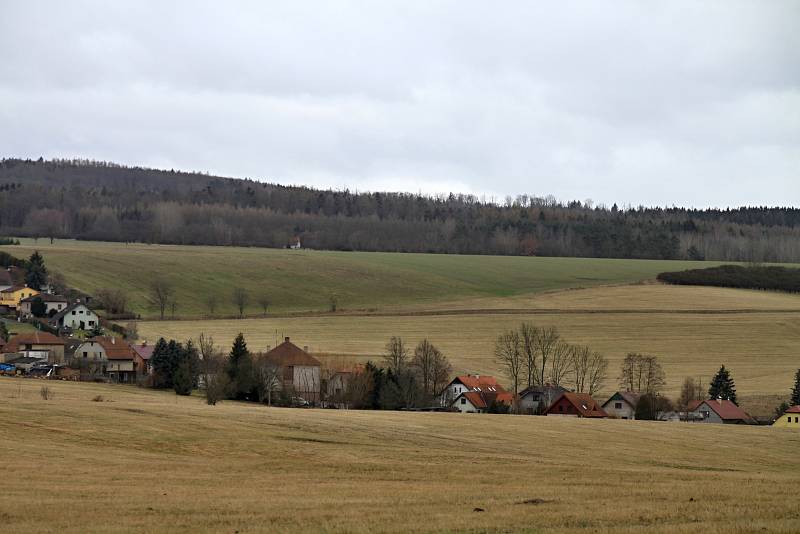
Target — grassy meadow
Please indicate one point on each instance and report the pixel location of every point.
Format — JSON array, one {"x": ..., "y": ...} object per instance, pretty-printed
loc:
[
  {"x": 137, "y": 459},
  {"x": 304, "y": 280}
]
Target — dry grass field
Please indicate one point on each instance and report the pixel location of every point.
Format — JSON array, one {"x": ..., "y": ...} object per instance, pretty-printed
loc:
[
  {"x": 141, "y": 460},
  {"x": 692, "y": 330}
]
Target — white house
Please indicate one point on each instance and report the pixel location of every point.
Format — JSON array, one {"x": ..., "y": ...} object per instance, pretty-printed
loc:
[
  {"x": 76, "y": 316},
  {"x": 52, "y": 304},
  {"x": 299, "y": 369},
  {"x": 622, "y": 405},
  {"x": 464, "y": 383}
]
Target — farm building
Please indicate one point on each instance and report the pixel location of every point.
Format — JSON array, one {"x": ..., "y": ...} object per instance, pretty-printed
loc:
[
  {"x": 576, "y": 405},
  {"x": 142, "y": 358},
  {"x": 789, "y": 419},
  {"x": 622, "y": 405},
  {"x": 300, "y": 370},
  {"x": 114, "y": 356},
  {"x": 536, "y": 399},
  {"x": 719, "y": 411},
  {"x": 42, "y": 345},
  {"x": 482, "y": 401}
]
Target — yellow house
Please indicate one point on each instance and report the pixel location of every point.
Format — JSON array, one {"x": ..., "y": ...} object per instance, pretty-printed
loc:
[
  {"x": 789, "y": 419},
  {"x": 11, "y": 296}
]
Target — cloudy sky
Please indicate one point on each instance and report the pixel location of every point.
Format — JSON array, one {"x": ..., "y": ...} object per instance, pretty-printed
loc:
[{"x": 655, "y": 103}]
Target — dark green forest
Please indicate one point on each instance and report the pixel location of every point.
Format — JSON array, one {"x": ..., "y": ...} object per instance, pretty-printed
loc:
[
  {"x": 85, "y": 199},
  {"x": 751, "y": 277}
]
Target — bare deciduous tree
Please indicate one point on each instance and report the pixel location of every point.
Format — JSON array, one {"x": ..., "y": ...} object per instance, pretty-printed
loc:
[
  {"x": 508, "y": 353},
  {"x": 528, "y": 334},
  {"x": 560, "y": 364},
  {"x": 211, "y": 303},
  {"x": 589, "y": 369},
  {"x": 396, "y": 356},
  {"x": 545, "y": 340},
  {"x": 211, "y": 369},
  {"x": 642, "y": 373},
  {"x": 161, "y": 291},
  {"x": 690, "y": 391},
  {"x": 269, "y": 376},
  {"x": 264, "y": 302},
  {"x": 114, "y": 301},
  {"x": 240, "y": 299}
]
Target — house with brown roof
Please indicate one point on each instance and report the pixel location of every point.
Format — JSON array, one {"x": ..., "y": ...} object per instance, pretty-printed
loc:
[
  {"x": 576, "y": 405},
  {"x": 42, "y": 345},
  {"x": 107, "y": 355},
  {"x": 300, "y": 370},
  {"x": 482, "y": 401},
  {"x": 463, "y": 383},
  {"x": 622, "y": 405},
  {"x": 718, "y": 411}
]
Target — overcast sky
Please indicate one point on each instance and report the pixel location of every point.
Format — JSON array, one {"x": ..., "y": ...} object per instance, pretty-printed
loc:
[{"x": 654, "y": 103}]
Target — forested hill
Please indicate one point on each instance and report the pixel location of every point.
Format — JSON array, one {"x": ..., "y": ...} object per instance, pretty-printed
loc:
[{"x": 102, "y": 201}]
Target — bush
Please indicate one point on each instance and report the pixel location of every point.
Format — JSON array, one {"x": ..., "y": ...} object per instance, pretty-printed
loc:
[{"x": 46, "y": 393}]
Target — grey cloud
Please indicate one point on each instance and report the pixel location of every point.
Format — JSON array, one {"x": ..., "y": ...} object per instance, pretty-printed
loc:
[{"x": 682, "y": 102}]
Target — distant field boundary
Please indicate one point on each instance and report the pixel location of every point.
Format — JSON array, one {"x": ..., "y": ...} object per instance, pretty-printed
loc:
[{"x": 490, "y": 311}]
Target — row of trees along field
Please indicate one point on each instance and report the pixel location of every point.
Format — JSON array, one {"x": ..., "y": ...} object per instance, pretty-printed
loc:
[
  {"x": 750, "y": 277},
  {"x": 97, "y": 200}
]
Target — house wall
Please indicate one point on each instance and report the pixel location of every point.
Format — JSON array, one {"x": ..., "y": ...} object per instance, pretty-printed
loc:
[
  {"x": 625, "y": 411},
  {"x": 710, "y": 417},
  {"x": 25, "y": 307},
  {"x": 90, "y": 351},
  {"x": 788, "y": 420},
  {"x": 80, "y": 313},
  {"x": 463, "y": 405},
  {"x": 12, "y": 299},
  {"x": 452, "y": 391},
  {"x": 306, "y": 382}
]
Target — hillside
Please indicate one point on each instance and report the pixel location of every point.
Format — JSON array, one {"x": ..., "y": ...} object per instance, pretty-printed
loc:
[
  {"x": 103, "y": 201},
  {"x": 304, "y": 280},
  {"x": 157, "y": 462}
]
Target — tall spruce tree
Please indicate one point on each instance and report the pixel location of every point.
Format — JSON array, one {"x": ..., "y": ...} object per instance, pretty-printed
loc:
[
  {"x": 240, "y": 370},
  {"x": 162, "y": 364},
  {"x": 722, "y": 386},
  {"x": 795, "y": 399},
  {"x": 36, "y": 275}
]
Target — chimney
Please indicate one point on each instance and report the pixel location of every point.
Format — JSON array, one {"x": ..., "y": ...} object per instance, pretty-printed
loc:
[
  {"x": 305, "y": 348},
  {"x": 286, "y": 339}
]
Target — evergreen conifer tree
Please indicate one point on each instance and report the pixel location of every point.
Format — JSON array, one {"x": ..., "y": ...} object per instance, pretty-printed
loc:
[
  {"x": 795, "y": 399},
  {"x": 722, "y": 386},
  {"x": 240, "y": 369},
  {"x": 36, "y": 275},
  {"x": 162, "y": 366}
]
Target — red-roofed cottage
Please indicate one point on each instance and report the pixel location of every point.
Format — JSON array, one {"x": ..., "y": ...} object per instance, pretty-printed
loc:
[
  {"x": 719, "y": 411},
  {"x": 576, "y": 405}
]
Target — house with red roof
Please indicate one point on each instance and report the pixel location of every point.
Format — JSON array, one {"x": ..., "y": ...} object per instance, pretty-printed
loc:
[
  {"x": 107, "y": 355},
  {"x": 142, "y": 358},
  {"x": 483, "y": 402},
  {"x": 464, "y": 383},
  {"x": 718, "y": 411},
  {"x": 576, "y": 405},
  {"x": 42, "y": 345}
]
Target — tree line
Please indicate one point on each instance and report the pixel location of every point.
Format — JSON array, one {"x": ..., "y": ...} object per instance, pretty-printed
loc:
[
  {"x": 99, "y": 200},
  {"x": 750, "y": 277}
]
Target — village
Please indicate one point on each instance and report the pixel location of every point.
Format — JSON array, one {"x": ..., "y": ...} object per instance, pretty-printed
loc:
[{"x": 68, "y": 340}]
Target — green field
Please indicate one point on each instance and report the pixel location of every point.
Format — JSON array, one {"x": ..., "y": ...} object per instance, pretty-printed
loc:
[
  {"x": 104, "y": 458},
  {"x": 304, "y": 280}
]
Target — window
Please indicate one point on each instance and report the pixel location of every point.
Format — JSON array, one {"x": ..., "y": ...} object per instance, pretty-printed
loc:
[
  {"x": 789, "y": 419},
  {"x": 91, "y": 323},
  {"x": 85, "y": 354},
  {"x": 73, "y": 312},
  {"x": 560, "y": 407},
  {"x": 463, "y": 400},
  {"x": 796, "y": 419},
  {"x": 617, "y": 405}
]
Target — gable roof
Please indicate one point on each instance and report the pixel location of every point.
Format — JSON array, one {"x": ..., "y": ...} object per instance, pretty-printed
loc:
[
  {"x": 629, "y": 397},
  {"x": 287, "y": 354},
  {"x": 5, "y": 278},
  {"x": 32, "y": 338},
  {"x": 793, "y": 409},
  {"x": 483, "y": 399},
  {"x": 584, "y": 404},
  {"x": 144, "y": 351},
  {"x": 480, "y": 383},
  {"x": 55, "y": 318},
  {"x": 725, "y": 409},
  {"x": 115, "y": 349}
]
